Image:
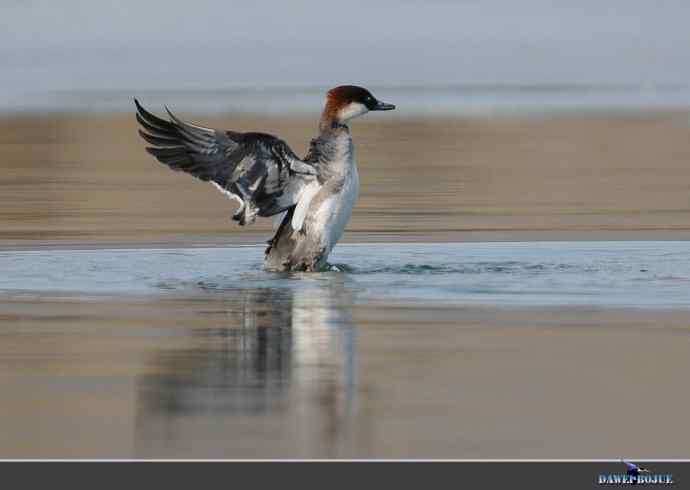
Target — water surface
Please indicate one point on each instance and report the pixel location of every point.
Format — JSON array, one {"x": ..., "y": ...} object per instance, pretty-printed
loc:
[
  {"x": 641, "y": 274},
  {"x": 482, "y": 350}
]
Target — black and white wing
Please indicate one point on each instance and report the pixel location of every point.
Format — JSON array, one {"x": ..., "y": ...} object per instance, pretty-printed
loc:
[{"x": 258, "y": 170}]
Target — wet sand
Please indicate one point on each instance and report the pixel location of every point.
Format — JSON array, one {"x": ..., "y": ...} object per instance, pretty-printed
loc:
[{"x": 71, "y": 178}]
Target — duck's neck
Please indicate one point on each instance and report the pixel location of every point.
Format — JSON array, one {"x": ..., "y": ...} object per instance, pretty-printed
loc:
[
  {"x": 332, "y": 151},
  {"x": 334, "y": 134},
  {"x": 330, "y": 124}
]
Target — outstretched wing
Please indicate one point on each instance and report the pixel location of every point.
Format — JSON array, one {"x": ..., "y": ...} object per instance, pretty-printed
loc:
[{"x": 259, "y": 170}]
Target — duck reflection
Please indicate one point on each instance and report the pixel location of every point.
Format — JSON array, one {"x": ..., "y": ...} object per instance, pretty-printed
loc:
[{"x": 284, "y": 354}]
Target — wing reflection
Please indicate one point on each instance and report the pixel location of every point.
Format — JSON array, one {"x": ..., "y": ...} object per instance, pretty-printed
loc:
[{"x": 285, "y": 354}]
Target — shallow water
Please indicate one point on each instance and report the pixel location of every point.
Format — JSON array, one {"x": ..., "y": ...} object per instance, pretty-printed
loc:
[
  {"x": 643, "y": 274},
  {"x": 474, "y": 350}
]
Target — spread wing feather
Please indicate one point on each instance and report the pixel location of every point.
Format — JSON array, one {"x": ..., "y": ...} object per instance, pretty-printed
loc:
[{"x": 258, "y": 169}]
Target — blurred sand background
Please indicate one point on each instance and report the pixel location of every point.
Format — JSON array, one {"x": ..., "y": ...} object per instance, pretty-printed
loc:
[{"x": 87, "y": 178}]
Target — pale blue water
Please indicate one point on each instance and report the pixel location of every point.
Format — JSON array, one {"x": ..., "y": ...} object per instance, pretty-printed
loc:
[{"x": 642, "y": 274}]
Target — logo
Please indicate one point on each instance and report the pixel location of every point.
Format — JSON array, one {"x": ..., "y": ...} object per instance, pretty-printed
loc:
[{"x": 635, "y": 475}]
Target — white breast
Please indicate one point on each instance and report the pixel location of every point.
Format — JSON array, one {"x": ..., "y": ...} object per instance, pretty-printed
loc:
[{"x": 333, "y": 215}]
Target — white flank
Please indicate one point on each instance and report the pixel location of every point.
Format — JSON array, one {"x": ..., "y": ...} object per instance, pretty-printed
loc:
[
  {"x": 303, "y": 205},
  {"x": 338, "y": 211}
]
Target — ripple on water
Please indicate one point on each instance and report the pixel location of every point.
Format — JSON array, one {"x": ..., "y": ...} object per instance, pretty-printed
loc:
[
  {"x": 601, "y": 273},
  {"x": 505, "y": 267}
]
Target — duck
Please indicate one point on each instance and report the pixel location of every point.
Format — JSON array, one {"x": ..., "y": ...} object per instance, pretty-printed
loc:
[{"x": 310, "y": 199}]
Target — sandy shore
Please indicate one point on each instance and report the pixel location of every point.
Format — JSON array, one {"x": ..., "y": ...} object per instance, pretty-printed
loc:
[{"x": 77, "y": 179}]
